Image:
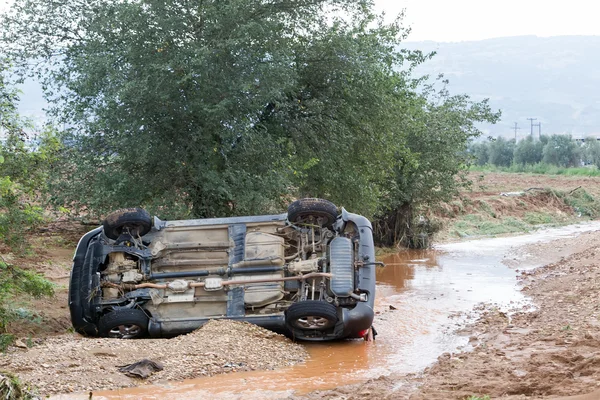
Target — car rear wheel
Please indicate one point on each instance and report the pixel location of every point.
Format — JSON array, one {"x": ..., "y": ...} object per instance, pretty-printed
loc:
[
  {"x": 124, "y": 324},
  {"x": 135, "y": 221},
  {"x": 311, "y": 315},
  {"x": 315, "y": 211}
]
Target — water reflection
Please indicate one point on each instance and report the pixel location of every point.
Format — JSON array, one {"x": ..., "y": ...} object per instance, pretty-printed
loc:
[{"x": 400, "y": 267}]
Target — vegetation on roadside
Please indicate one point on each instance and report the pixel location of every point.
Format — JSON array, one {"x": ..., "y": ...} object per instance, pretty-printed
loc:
[
  {"x": 235, "y": 107},
  {"x": 464, "y": 217},
  {"x": 11, "y": 388},
  {"x": 24, "y": 168},
  {"x": 474, "y": 397},
  {"x": 14, "y": 283}
]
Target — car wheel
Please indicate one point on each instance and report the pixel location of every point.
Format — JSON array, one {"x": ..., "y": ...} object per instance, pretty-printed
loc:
[
  {"x": 124, "y": 324},
  {"x": 311, "y": 315},
  {"x": 316, "y": 211},
  {"x": 135, "y": 221}
]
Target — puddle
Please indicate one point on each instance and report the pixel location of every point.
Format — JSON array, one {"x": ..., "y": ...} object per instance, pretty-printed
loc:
[{"x": 424, "y": 287}]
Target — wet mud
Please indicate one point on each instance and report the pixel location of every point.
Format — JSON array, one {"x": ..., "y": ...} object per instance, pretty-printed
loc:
[{"x": 424, "y": 301}]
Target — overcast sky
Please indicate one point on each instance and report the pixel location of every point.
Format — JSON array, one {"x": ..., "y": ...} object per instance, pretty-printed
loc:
[{"x": 458, "y": 20}]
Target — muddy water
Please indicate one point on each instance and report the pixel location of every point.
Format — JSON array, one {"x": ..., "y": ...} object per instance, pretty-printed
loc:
[{"x": 419, "y": 295}]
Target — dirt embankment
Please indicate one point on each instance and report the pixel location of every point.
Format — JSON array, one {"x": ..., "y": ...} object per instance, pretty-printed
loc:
[
  {"x": 70, "y": 363},
  {"x": 549, "y": 353},
  {"x": 503, "y": 203}
]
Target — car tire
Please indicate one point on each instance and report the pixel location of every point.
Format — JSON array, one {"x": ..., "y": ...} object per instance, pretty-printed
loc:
[
  {"x": 302, "y": 209},
  {"x": 311, "y": 315},
  {"x": 124, "y": 324},
  {"x": 136, "y": 221}
]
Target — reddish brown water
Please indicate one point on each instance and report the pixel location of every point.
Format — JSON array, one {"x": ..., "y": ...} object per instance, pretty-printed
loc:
[{"x": 424, "y": 287}]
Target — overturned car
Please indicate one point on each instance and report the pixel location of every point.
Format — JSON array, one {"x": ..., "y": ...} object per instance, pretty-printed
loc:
[{"x": 308, "y": 273}]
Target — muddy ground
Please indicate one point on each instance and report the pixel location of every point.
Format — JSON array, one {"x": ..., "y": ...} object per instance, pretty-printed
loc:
[
  {"x": 71, "y": 363},
  {"x": 550, "y": 352}
]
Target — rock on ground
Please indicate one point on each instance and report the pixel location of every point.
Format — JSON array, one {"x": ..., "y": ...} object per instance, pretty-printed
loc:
[{"x": 71, "y": 363}]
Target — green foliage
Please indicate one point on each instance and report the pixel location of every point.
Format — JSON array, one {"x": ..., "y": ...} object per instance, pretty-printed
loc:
[
  {"x": 11, "y": 388},
  {"x": 556, "y": 150},
  {"x": 479, "y": 225},
  {"x": 591, "y": 151},
  {"x": 539, "y": 218},
  {"x": 6, "y": 339},
  {"x": 582, "y": 202},
  {"x": 501, "y": 152},
  {"x": 233, "y": 107},
  {"x": 480, "y": 152},
  {"x": 24, "y": 166},
  {"x": 474, "y": 397},
  {"x": 561, "y": 150},
  {"x": 15, "y": 282},
  {"x": 221, "y": 109},
  {"x": 528, "y": 151}
]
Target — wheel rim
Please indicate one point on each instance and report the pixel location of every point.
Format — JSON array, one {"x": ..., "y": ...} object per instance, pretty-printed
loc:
[
  {"x": 125, "y": 331},
  {"x": 312, "y": 322}
]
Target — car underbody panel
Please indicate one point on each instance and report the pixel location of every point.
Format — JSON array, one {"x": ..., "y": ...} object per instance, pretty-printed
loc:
[{"x": 312, "y": 278}]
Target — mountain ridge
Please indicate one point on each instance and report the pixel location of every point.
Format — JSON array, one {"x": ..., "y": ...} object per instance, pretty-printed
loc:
[{"x": 552, "y": 79}]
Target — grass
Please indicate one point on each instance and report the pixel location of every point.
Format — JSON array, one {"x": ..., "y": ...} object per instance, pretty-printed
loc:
[
  {"x": 478, "y": 225},
  {"x": 544, "y": 169},
  {"x": 582, "y": 202},
  {"x": 524, "y": 214},
  {"x": 473, "y": 397}
]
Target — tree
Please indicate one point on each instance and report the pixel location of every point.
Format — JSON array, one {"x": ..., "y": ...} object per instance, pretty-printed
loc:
[
  {"x": 232, "y": 107},
  {"x": 528, "y": 151},
  {"x": 501, "y": 152},
  {"x": 438, "y": 129},
  {"x": 561, "y": 150},
  {"x": 23, "y": 169},
  {"x": 179, "y": 107},
  {"x": 591, "y": 151},
  {"x": 22, "y": 176},
  {"x": 480, "y": 152}
]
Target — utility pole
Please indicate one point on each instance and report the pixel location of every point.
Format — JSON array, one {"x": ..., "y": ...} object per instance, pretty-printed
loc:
[
  {"x": 539, "y": 125},
  {"x": 532, "y": 119},
  {"x": 516, "y": 128}
]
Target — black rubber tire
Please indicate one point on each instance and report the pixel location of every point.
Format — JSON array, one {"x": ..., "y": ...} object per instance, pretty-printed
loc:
[
  {"x": 124, "y": 324},
  {"x": 135, "y": 220},
  {"x": 311, "y": 315},
  {"x": 301, "y": 209}
]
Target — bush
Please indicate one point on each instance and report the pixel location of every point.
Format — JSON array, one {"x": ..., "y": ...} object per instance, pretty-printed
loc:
[{"x": 14, "y": 282}]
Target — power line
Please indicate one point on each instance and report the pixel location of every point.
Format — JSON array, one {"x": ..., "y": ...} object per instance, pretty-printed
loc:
[
  {"x": 539, "y": 125},
  {"x": 532, "y": 119},
  {"x": 516, "y": 128}
]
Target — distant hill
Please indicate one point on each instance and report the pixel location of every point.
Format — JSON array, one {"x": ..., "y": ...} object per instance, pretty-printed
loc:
[{"x": 555, "y": 79}]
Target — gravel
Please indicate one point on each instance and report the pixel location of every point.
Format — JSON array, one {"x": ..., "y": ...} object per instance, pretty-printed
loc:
[{"x": 71, "y": 363}]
